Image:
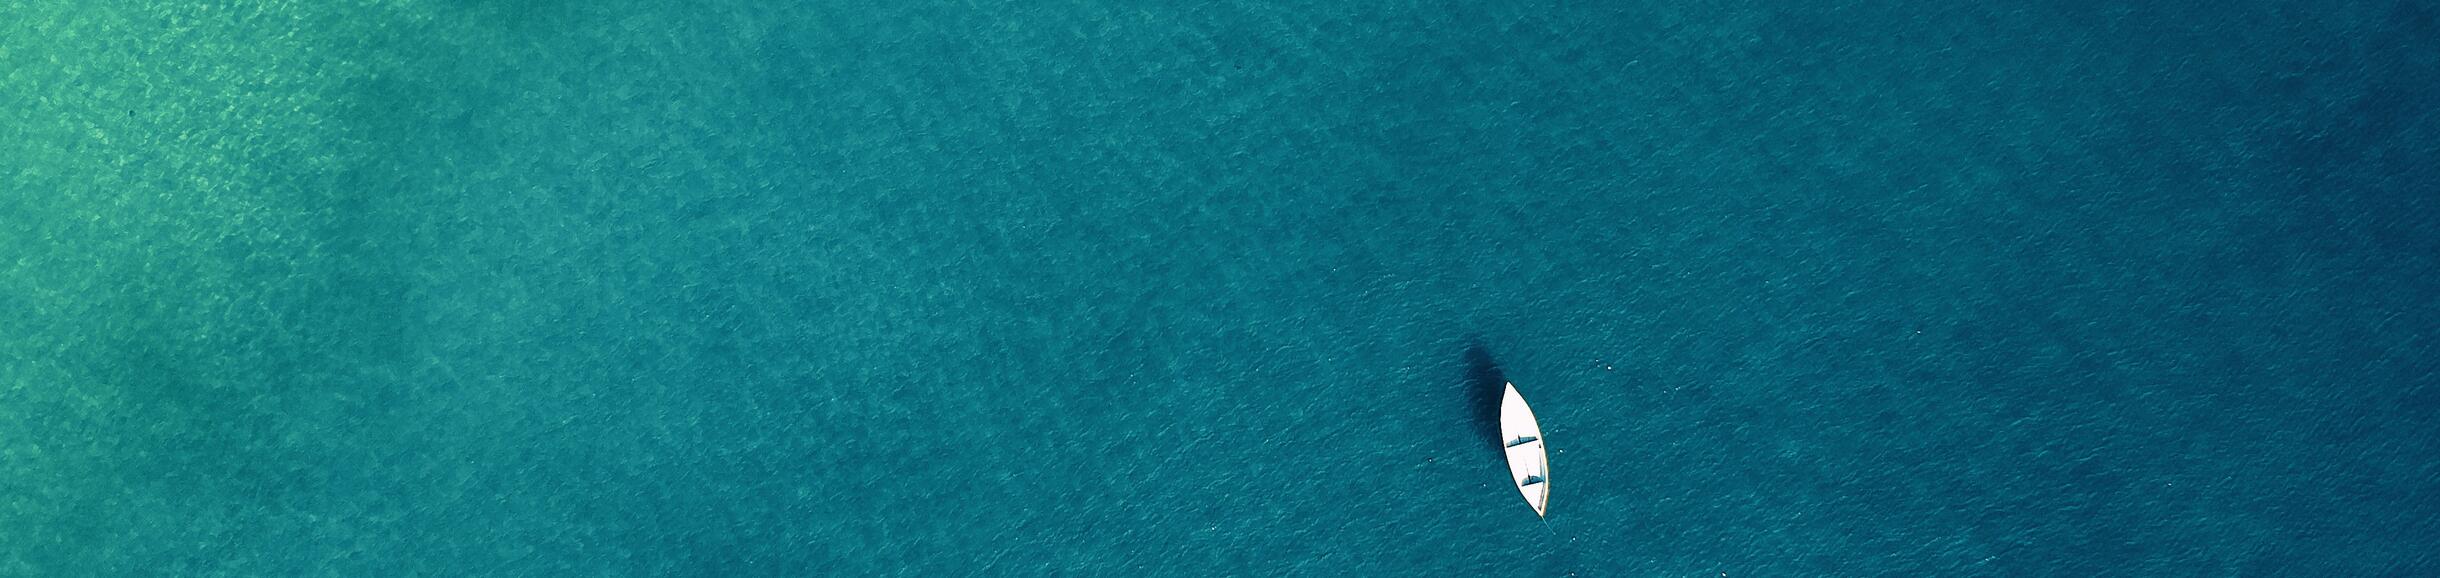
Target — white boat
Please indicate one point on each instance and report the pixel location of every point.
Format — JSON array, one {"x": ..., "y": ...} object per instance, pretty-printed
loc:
[{"x": 1528, "y": 464}]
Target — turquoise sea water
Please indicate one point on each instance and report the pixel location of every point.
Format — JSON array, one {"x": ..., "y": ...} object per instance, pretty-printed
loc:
[{"x": 469, "y": 287}]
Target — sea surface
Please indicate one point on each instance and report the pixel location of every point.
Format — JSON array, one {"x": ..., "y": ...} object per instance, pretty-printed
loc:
[{"x": 1076, "y": 288}]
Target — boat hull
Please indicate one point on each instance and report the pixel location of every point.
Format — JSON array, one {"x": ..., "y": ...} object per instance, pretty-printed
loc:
[{"x": 1528, "y": 462}]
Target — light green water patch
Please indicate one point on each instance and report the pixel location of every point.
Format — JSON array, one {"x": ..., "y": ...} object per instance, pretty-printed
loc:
[{"x": 191, "y": 287}]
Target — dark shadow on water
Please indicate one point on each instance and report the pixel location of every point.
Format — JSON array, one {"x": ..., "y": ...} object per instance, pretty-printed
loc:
[{"x": 1484, "y": 384}]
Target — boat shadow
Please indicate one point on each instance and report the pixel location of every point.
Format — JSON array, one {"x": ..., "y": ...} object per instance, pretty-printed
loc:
[{"x": 1484, "y": 383}]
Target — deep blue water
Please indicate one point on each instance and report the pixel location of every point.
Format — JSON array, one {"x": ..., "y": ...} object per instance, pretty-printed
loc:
[{"x": 1901, "y": 288}]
